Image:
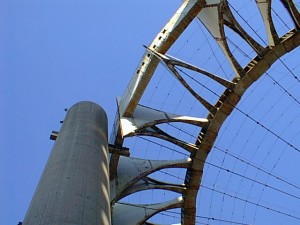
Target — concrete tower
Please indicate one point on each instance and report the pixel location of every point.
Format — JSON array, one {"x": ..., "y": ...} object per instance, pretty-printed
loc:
[{"x": 74, "y": 187}]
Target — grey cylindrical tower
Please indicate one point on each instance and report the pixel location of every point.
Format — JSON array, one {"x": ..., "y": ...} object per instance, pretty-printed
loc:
[{"x": 74, "y": 187}]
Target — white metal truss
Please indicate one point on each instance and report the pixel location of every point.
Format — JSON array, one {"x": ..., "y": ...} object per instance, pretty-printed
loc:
[
  {"x": 132, "y": 171},
  {"x": 130, "y": 175},
  {"x": 128, "y": 214}
]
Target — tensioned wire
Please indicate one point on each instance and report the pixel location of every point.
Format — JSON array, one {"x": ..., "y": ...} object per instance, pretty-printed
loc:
[
  {"x": 291, "y": 72},
  {"x": 270, "y": 130},
  {"x": 286, "y": 92},
  {"x": 172, "y": 213},
  {"x": 240, "y": 175},
  {"x": 165, "y": 100},
  {"x": 244, "y": 177}
]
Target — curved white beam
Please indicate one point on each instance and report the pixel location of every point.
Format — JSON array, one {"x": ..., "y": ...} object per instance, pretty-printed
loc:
[
  {"x": 144, "y": 117},
  {"x": 150, "y": 184},
  {"x": 134, "y": 214},
  {"x": 214, "y": 18},
  {"x": 131, "y": 170}
]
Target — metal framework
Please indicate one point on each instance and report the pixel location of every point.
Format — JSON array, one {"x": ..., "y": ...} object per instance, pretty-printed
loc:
[{"x": 129, "y": 175}]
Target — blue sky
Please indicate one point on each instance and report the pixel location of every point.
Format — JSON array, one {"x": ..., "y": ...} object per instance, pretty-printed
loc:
[
  {"x": 56, "y": 53},
  {"x": 52, "y": 55}
]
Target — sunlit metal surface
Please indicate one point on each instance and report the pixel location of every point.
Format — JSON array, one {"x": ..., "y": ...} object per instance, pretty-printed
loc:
[{"x": 138, "y": 119}]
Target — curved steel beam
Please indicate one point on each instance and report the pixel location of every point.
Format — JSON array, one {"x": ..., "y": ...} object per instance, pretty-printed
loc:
[
  {"x": 229, "y": 101},
  {"x": 214, "y": 14}
]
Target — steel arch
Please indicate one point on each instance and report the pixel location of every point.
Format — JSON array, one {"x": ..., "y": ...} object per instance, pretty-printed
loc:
[{"x": 134, "y": 119}]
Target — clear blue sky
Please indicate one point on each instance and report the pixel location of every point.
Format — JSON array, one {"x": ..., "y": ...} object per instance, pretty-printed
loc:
[
  {"x": 52, "y": 55},
  {"x": 56, "y": 53}
]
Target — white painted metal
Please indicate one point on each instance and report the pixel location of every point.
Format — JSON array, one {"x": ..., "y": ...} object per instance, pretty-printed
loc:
[
  {"x": 212, "y": 19},
  {"x": 148, "y": 183},
  {"x": 131, "y": 170},
  {"x": 161, "y": 43},
  {"x": 131, "y": 214},
  {"x": 265, "y": 11},
  {"x": 170, "y": 62},
  {"x": 135, "y": 89},
  {"x": 146, "y": 117},
  {"x": 133, "y": 119},
  {"x": 156, "y": 132}
]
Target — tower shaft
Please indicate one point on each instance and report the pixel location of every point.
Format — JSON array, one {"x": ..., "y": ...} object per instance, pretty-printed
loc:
[{"x": 74, "y": 186}]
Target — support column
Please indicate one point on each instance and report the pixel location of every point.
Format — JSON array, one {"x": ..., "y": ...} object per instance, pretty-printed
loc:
[{"x": 74, "y": 187}]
